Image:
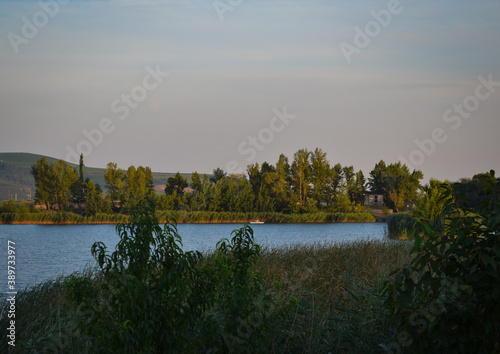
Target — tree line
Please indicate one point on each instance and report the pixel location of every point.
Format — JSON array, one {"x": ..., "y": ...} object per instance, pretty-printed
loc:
[
  {"x": 306, "y": 183},
  {"x": 59, "y": 186}
]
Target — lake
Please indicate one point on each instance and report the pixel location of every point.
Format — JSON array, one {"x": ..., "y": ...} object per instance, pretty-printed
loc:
[{"x": 46, "y": 251}]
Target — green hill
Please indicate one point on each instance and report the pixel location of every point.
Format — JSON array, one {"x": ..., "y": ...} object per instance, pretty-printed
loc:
[{"x": 16, "y": 178}]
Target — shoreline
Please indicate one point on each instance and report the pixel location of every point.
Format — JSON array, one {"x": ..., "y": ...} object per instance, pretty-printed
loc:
[{"x": 179, "y": 222}]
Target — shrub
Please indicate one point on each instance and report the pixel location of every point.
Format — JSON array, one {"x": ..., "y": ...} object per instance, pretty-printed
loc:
[
  {"x": 154, "y": 297},
  {"x": 446, "y": 299}
]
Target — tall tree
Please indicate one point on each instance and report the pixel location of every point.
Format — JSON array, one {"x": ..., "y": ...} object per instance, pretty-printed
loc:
[
  {"x": 245, "y": 198},
  {"x": 255, "y": 177},
  {"x": 44, "y": 182},
  {"x": 81, "y": 169},
  {"x": 114, "y": 176},
  {"x": 281, "y": 188},
  {"x": 217, "y": 174},
  {"x": 199, "y": 200},
  {"x": 359, "y": 195},
  {"x": 78, "y": 188},
  {"x": 94, "y": 201},
  {"x": 320, "y": 167},
  {"x": 264, "y": 201},
  {"x": 196, "y": 182},
  {"x": 396, "y": 182},
  {"x": 350, "y": 182},
  {"x": 138, "y": 185},
  {"x": 177, "y": 184},
  {"x": 64, "y": 177},
  {"x": 333, "y": 182},
  {"x": 301, "y": 172},
  {"x": 216, "y": 197},
  {"x": 377, "y": 180}
]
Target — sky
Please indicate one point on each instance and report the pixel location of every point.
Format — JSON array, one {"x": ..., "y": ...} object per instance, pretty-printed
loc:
[{"x": 195, "y": 85}]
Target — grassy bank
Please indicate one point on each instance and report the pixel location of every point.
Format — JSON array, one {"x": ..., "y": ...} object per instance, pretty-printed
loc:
[
  {"x": 60, "y": 218},
  {"x": 184, "y": 217},
  {"x": 335, "y": 304}
]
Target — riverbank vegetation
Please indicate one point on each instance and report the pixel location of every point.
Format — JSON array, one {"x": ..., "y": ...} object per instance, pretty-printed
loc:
[
  {"x": 183, "y": 216},
  {"x": 437, "y": 293},
  {"x": 306, "y": 184},
  {"x": 468, "y": 194},
  {"x": 150, "y": 296},
  {"x": 306, "y": 189}
]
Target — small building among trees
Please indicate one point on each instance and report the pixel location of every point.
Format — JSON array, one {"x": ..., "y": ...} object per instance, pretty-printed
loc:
[{"x": 374, "y": 199}]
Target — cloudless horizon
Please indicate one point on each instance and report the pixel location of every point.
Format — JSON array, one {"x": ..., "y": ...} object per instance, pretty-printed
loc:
[{"x": 195, "y": 85}]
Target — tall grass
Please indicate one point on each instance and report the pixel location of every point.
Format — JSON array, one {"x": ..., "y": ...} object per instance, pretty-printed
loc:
[
  {"x": 270, "y": 217},
  {"x": 400, "y": 226},
  {"x": 60, "y": 218},
  {"x": 44, "y": 317},
  {"x": 184, "y": 216},
  {"x": 338, "y": 288},
  {"x": 326, "y": 299}
]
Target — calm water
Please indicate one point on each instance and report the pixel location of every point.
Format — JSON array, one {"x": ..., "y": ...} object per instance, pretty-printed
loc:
[{"x": 46, "y": 251}]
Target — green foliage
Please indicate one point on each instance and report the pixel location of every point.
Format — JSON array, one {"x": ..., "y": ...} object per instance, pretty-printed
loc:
[
  {"x": 177, "y": 184},
  {"x": 44, "y": 183},
  {"x": 148, "y": 280},
  {"x": 9, "y": 207},
  {"x": 428, "y": 208},
  {"x": 60, "y": 218},
  {"x": 138, "y": 185},
  {"x": 217, "y": 174},
  {"x": 446, "y": 299},
  {"x": 94, "y": 200},
  {"x": 300, "y": 175},
  {"x": 113, "y": 177},
  {"x": 471, "y": 193},
  {"x": 184, "y": 216},
  {"x": 240, "y": 307},
  {"x": 154, "y": 297},
  {"x": 320, "y": 168},
  {"x": 336, "y": 304},
  {"x": 396, "y": 182},
  {"x": 55, "y": 183},
  {"x": 44, "y": 321},
  {"x": 400, "y": 225},
  {"x": 196, "y": 182},
  {"x": 78, "y": 188}
]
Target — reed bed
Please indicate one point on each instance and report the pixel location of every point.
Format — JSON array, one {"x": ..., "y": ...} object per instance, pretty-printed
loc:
[
  {"x": 400, "y": 226},
  {"x": 60, "y": 218},
  {"x": 184, "y": 216},
  {"x": 326, "y": 268}
]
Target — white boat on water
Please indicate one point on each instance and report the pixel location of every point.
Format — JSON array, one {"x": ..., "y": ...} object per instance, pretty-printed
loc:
[{"x": 256, "y": 222}]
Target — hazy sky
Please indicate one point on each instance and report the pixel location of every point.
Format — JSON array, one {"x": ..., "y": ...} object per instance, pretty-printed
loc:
[{"x": 195, "y": 85}]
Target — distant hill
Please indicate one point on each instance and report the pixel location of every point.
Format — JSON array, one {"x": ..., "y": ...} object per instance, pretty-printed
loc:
[{"x": 16, "y": 178}]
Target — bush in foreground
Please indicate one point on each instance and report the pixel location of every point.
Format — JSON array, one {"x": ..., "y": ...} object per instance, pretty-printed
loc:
[
  {"x": 446, "y": 299},
  {"x": 151, "y": 296}
]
